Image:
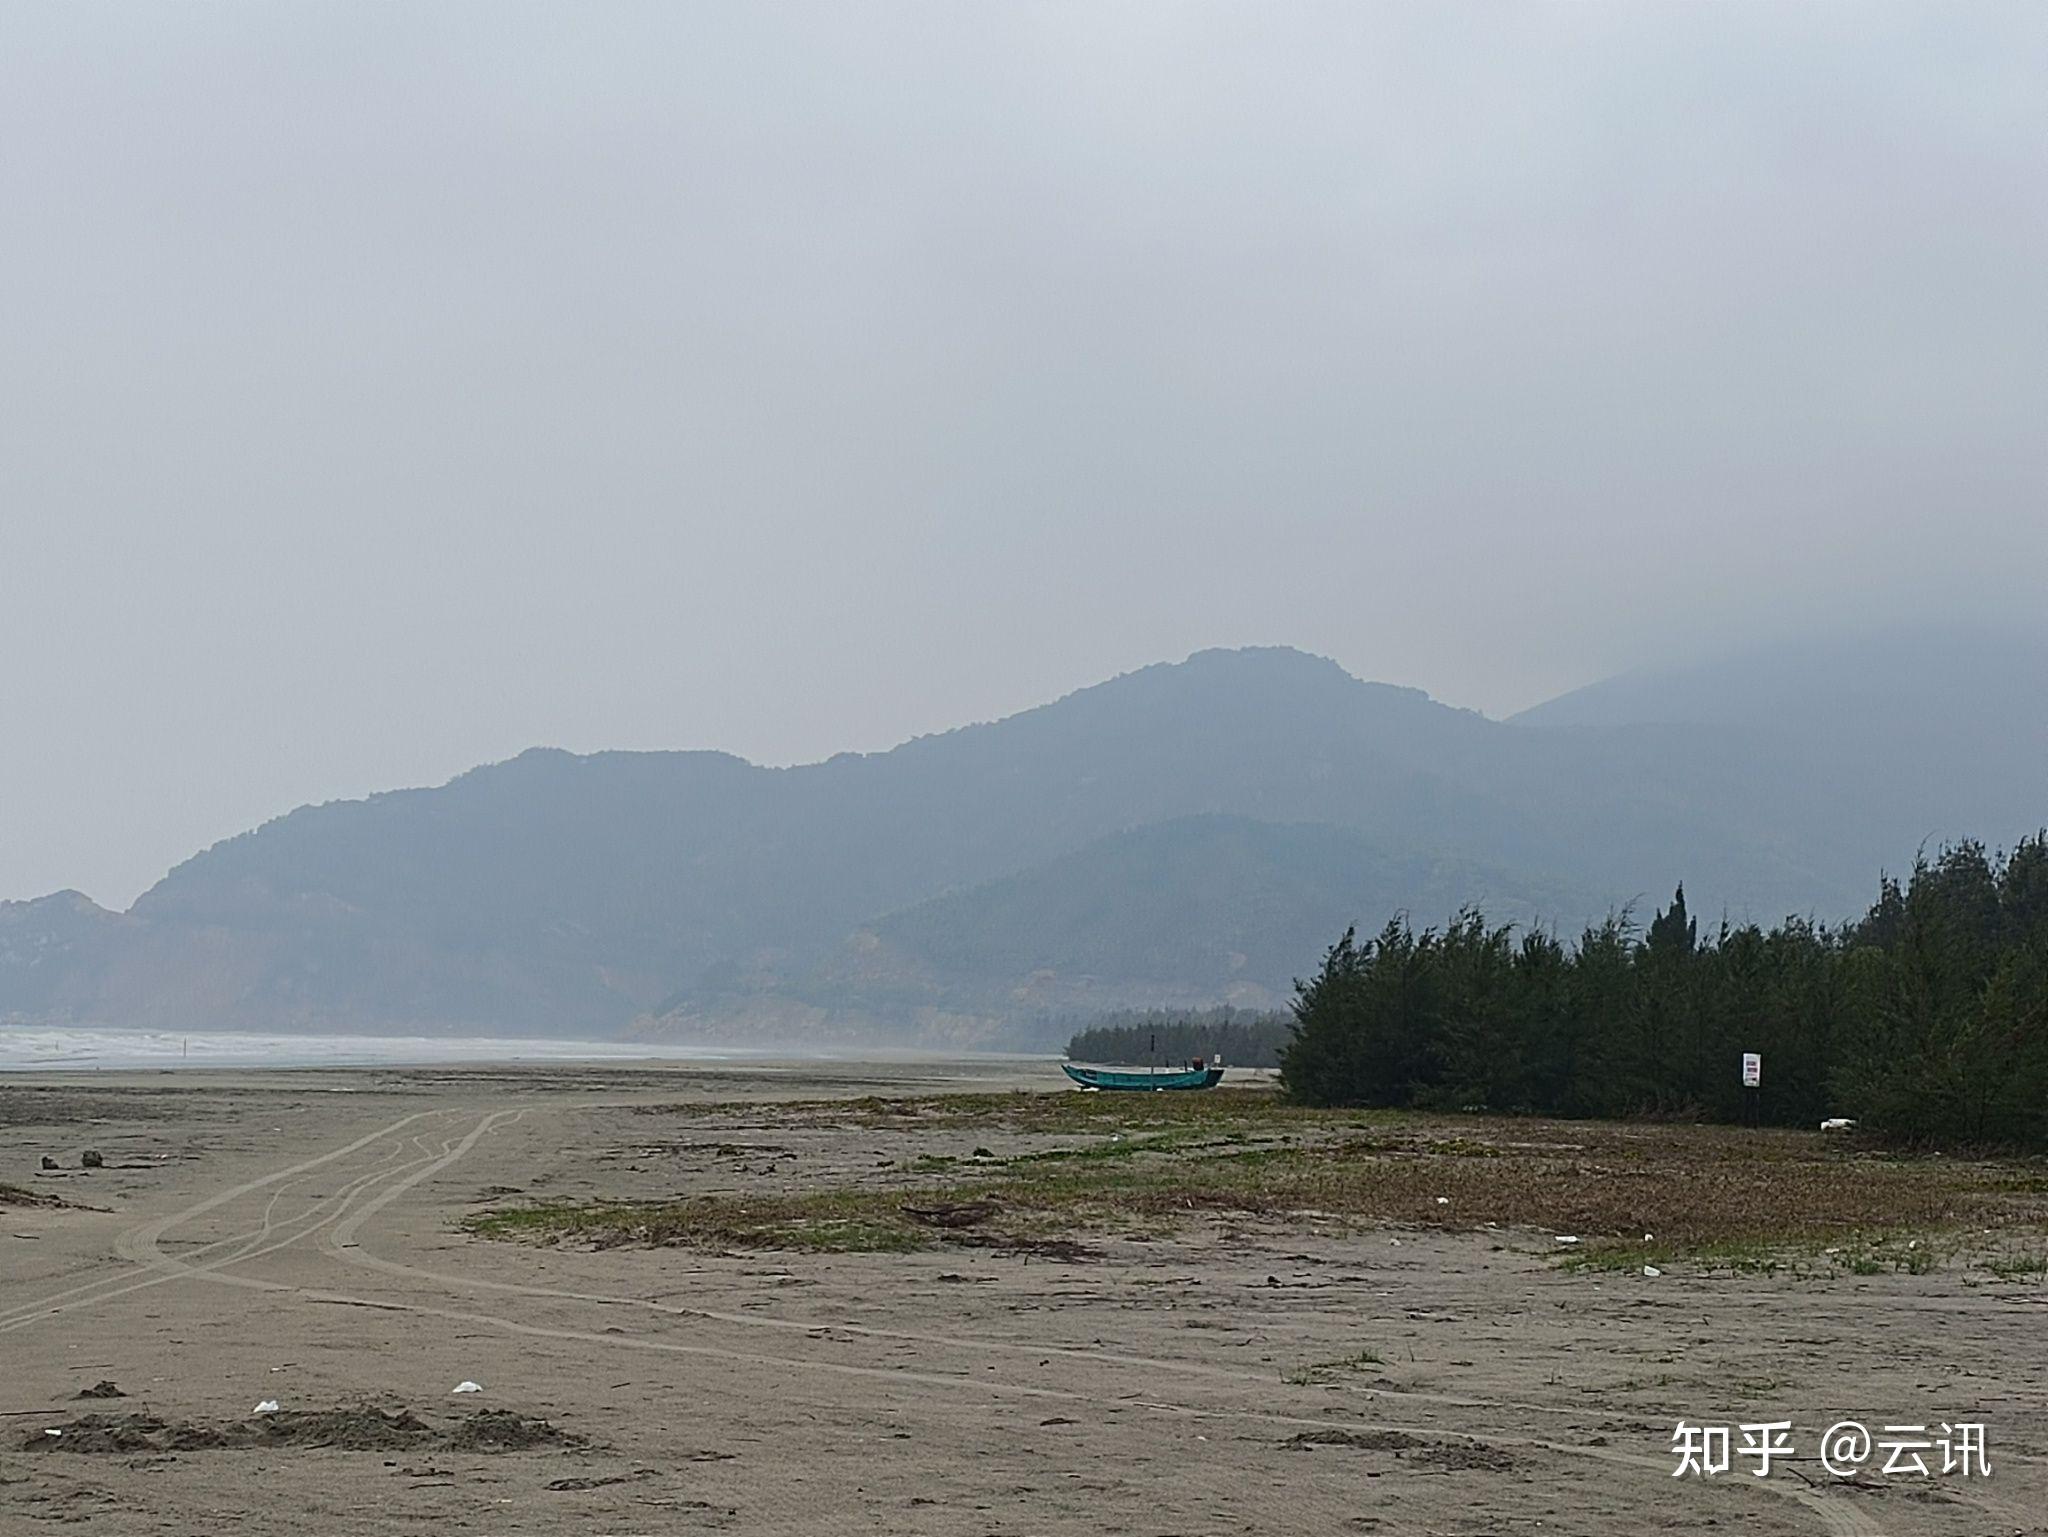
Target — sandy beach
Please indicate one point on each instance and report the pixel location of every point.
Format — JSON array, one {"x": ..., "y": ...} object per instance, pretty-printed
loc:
[{"x": 299, "y": 1237}]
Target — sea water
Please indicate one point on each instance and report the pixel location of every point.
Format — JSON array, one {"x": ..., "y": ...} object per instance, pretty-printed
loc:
[{"x": 29, "y": 1047}]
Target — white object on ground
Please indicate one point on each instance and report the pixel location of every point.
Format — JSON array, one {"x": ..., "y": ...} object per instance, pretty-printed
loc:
[
  {"x": 1651, "y": 1270},
  {"x": 1838, "y": 1123},
  {"x": 268, "y": 1406},
  {"x": 1443, "y": 1200},
  {"x": 1567, "y": 1237},
  {"x": 468, "y": 1387}
]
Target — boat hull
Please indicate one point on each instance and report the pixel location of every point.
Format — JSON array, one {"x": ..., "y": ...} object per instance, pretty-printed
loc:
[{"x": 1142, "y": 1082}]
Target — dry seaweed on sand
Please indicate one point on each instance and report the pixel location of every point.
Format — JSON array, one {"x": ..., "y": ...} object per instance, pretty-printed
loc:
[
  {"x": 952, "y": 1214},
  {"x": 1418, "y": 1451},
  {"x": 359, "y": 1429},
  {"x": 16, "y": 1195}
]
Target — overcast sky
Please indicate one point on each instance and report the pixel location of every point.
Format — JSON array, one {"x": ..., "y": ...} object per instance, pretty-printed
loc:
[{"x": 389, "y": 388}]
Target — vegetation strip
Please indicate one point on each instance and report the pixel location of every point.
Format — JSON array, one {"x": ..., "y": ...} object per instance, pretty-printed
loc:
[{"x": 1631, "y": 1194}]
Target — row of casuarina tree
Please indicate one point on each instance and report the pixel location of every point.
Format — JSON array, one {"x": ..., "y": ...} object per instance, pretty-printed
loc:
[
  {"x": 1148, "y": 1037},
  {"x": 1925, "y": 1020}
]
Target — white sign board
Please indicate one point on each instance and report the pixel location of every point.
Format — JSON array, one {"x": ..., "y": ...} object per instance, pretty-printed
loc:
[{"x": 1752, "y": 1070}]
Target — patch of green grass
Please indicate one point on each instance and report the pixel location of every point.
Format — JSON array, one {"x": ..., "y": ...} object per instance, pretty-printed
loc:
[
  {"x": 1119, "y": 1146},
  {"x": 1461, "y": 1147},
  {"x": 1738, "y": 1255},
  {"x": 2029, "y": 1182},
  {"x": 835, "y": 1222},
  {"x": 1744, "y": 1201},
  {"x": 2020, "y": 1265},
  {"x": 1133, "y": 1184},
  {"x": 1319, "y": 1372},
  {"x": 1048, "y": 1113}
]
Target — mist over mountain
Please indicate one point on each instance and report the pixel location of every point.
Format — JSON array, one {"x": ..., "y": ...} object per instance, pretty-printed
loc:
[
  {"x": 1913, "y": 735},
  {"x": 1187, "y": 833}
]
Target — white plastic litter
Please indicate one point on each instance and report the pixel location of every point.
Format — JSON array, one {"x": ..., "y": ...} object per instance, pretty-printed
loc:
[
  {"x": 1838, "y": 1123},
  {"x": 468, "y": 1387},
  {"x": 53, "y": 1432},
  {"x": 1567, "y": 1237},
  {"x": 268, "y": 1406},
  {"x": 1443, "y": 1200},
  {"x": 1651, "y": 1270}
]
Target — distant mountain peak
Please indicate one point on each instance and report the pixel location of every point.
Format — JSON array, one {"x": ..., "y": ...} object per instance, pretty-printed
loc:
[
  {"x": 1285, "y": 671},
  {"x": 68, "y": 901},
  {"x": 1289, "y": 659}
]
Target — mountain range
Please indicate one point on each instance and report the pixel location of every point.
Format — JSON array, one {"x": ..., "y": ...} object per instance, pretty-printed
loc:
[{"x": 1187, "y": 833}]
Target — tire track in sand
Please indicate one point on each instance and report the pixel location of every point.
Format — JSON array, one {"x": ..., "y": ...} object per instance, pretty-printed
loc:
[
  {"x": 139, "y": 1245},
  {"x": 341, "y": 1243}
]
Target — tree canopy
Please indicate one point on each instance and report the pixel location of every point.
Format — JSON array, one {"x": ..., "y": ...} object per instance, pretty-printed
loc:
[{"x": 1926, "y": 1019}]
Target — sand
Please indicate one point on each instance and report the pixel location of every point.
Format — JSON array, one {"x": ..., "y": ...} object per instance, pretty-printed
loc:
[{"x": 297, "y": 1237}]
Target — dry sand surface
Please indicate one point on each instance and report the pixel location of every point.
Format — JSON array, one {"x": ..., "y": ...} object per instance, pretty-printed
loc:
[{"x": 300, "y": 1237}]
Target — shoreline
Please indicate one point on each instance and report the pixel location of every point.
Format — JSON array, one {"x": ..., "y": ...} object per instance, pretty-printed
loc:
[{"x": 112, "y": 1048}]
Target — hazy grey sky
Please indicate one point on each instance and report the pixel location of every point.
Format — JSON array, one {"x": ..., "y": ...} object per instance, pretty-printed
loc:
[{"x": 389, "y": 388}]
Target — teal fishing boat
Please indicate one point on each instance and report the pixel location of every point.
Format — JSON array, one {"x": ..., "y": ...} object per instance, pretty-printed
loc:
[{"x": 1197, "y": 1077}]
